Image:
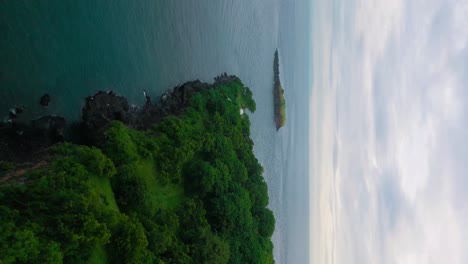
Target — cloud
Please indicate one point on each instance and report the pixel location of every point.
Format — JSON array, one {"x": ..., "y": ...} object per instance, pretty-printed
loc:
[{"x": 390, "y": 185}]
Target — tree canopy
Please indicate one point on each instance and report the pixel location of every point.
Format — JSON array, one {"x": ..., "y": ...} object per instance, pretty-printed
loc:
[{"x": 188, "y": 190}]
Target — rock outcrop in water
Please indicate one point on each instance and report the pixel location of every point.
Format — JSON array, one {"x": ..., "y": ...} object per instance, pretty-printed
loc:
[
  {"x": 45, "y": 100},
  {"x": 278, "y": 95}
]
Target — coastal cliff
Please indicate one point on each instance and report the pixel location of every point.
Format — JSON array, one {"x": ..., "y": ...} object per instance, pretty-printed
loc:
[
  {"x": 174, "y": 181},
  {"x": 278, "y": 95}
]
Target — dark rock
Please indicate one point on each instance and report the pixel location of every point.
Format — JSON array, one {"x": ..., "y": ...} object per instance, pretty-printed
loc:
[
  {"x": 19, "y": 109},
  {"x": 224, "y": 78},
  {"x": 100, "y": 110},
  {"x": 147, "y": 97},
  {"x": 199, "y": 86},
  {"x": 12, "y": 113},
  {"x": 45, "y": 100},
  {"x": 163, "y": 97},
  {"x": 19, "y": 142},
  {"x": 15, "y": 111},
  {"x": 52, "y": 126},
  {"x": 6, "y": 120}
]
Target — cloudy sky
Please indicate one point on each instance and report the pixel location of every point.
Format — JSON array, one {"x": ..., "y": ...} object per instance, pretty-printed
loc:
[{"x": 389, "y": 119}]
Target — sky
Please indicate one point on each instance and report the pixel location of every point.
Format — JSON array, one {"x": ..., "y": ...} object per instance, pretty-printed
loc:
[{"x": 388, "y": 119}]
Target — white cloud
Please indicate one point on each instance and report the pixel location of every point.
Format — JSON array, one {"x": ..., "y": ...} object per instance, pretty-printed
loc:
[{"x": 389, "y": 157}]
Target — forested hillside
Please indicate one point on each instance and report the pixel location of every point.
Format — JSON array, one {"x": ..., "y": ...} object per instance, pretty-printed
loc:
[{"x": 187, "y": 190}]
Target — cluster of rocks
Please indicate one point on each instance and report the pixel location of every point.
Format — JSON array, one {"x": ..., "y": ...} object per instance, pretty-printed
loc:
[
  {"x": 103, "y": 107},
  {"x": 224, "y": 78},
  {"x": 19, "y": 141}
]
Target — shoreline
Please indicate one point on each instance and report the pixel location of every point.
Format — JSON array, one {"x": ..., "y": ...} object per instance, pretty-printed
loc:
[{"x": 22, "y": 141}]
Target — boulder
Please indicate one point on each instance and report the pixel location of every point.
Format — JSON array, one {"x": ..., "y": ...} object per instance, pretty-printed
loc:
[{"x": 45, "y": 100}]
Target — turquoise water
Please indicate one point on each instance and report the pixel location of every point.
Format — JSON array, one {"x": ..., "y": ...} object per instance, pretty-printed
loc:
[{"x": 71, "y": 49}]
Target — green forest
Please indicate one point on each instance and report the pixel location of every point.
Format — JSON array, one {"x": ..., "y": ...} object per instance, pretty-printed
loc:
[{"x": 188, "y": 190}]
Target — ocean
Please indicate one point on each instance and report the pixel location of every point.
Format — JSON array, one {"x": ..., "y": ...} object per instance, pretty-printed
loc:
[{"x": 72, "y": 49}]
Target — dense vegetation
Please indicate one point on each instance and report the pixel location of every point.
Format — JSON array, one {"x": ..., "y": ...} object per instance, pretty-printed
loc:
[
  {"x": 188, "y": 190},
  {"x": 278, "y": 95},
  {"x": 280, "y": 107}
]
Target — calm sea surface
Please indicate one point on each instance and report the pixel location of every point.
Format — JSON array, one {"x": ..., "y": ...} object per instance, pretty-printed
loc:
[{"x": 71, "y": 49}]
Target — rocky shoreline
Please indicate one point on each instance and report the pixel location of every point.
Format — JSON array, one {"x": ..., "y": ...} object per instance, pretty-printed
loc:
[{"x": 21, "y": 142}]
